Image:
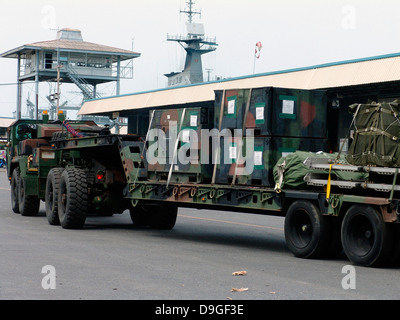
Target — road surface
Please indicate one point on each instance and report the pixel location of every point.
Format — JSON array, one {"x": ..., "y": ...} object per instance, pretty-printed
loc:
[{"x": 111, "y": 259}]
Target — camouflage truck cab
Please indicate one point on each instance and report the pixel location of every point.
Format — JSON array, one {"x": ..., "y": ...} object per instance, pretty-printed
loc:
[
  {"x": 29, "y": 159},
  {"x": 32, "y": 154}
]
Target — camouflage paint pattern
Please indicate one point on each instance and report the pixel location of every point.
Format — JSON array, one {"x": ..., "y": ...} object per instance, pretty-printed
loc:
[
  {"x": 233, "y": 108},
  {"x": 184, "y": 157},
  {"x": 274, "y": 111},
  {"x": 208, "y": 196},
  {"x": 254, "y": 168},
  {"x": 299, "y": 113}
]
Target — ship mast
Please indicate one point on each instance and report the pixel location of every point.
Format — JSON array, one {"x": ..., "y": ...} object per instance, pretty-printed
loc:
[
  {"x": 190, "y": 13},
  {"x": 195, "y": 44}
]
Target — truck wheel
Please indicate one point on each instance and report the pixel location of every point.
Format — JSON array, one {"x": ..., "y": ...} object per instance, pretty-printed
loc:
[
  {"x": 394, "y": 259},
  {"x": 367, "y": 239},
  {"x": 162, "y": 218},
  {"x": 51, "y": 196},
  {"x": 306, "y": 230},
  {"x": 14, "y": 190},
  {"x": 139, "y": 216},
  {"x": 73, "y": 199},
  {"x": 28, "y": 204}
]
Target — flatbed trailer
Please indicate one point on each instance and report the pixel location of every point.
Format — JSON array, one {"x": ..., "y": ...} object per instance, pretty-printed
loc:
[{"x": 315, "y": 227}]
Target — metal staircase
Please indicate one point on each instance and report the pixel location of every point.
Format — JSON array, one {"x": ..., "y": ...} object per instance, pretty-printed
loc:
[{"x": 86, "y": 88}]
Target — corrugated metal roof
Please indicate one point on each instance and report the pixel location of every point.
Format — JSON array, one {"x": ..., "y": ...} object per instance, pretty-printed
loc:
[
  {"x": 70, "y": 45},
  {"x": 339, "y": 74},
  {"x": 6, "y": 122}
]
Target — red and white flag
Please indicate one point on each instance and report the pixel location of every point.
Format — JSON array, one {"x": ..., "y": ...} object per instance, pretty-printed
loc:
[{"x": 258, "y": 49}]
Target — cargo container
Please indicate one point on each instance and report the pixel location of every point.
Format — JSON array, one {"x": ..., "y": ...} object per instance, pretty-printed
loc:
[
  {"x": 178, "y": 146},
  {"x": 273, "y": 111}
]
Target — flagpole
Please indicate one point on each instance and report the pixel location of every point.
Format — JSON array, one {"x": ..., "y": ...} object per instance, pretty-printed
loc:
[
  {"x": 254, "y": 64},
  {"x": 256, "y": 54}
]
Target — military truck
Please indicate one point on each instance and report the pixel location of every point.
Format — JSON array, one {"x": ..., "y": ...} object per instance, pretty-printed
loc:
[
  {"x": 80, "y": 169},
  {"x": 75, "y": 167}
]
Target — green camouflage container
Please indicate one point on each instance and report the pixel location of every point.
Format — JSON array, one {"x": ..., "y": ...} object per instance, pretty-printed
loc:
[
  {"x": 274, "y": 111},
  {"x": 257, "y": 168},
  {"x": 163, "y": 119},
  {"x": 183, "y": 157},
  {"x": 257, "y": 116},
  {"x": 233, "y": 108},
  {"x": 284, "y": 146},
  {"x": 249, "y": 169},
  {"x": 260, "y": 109},
  {"x": 299, "y": 113}
]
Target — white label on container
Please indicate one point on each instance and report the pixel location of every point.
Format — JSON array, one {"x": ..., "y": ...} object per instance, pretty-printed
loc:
[
  {"x": 231, "y": 106},
  {"x": 260, "y": 113},
  {"x": 288, "y": 106},
  {"x": 185, "y": 136},
  {"x": 193, "y": 120},
  {"x": 258, "y": 158},
  {"x": 232, "y": 152}
]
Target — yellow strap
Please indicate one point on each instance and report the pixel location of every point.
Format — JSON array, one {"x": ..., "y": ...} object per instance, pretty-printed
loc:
[{"x": 328, "y": 186}]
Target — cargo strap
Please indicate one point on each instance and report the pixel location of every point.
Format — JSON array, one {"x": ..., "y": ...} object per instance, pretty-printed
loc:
[
  {"x": 380, "y": 109},
  {"x": 240, "y": 147},
  {"x": 216, "y": 159},
  {"x": 176, "y": 147},
  {"x": 281, "y": 170},
  {"x": 376, "y": 131},
  {"x": 145, "y": 142},
  {"x": 328, "y": 186}
]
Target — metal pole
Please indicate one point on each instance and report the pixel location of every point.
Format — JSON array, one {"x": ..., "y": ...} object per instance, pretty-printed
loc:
[
  {"x": 118, "y": 74},
  {"x": 118, "y": 89},
  {"x": 19, "y": 89},
  {"x": 37, "y": 85},
  {"x": 58, "y": 90},
  {"x": 58, "y": 76}
]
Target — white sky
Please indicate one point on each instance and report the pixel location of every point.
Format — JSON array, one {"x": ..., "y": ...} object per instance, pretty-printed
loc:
[{"x": 293, "y": 33}]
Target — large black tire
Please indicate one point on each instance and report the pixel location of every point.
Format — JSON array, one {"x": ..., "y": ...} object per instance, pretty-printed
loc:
[
  {"x": 73, "y": 199},
  {"x": 307, "y": 232},
  {"x": 162, "y": 218},
  {"x": 28, "y": 204},
  {"x": 51, "y": 196},
  {"x": 394, "y": 259},
  {"x": 334, "y": 248},
  {"x": 139, "y": 216},
  {"x": 367, "y": 239},
  {"x": 15, "y": 190}
]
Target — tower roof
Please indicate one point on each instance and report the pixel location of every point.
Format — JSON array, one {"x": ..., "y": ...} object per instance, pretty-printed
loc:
[{"x": 70, "y": 40}]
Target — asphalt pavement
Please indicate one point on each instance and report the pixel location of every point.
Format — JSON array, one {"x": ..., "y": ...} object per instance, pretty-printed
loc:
[{"x": 110, "y": 259}]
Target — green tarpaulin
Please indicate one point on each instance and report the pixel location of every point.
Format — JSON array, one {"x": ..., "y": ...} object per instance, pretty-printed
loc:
[{"x": 289, "y": 171}]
